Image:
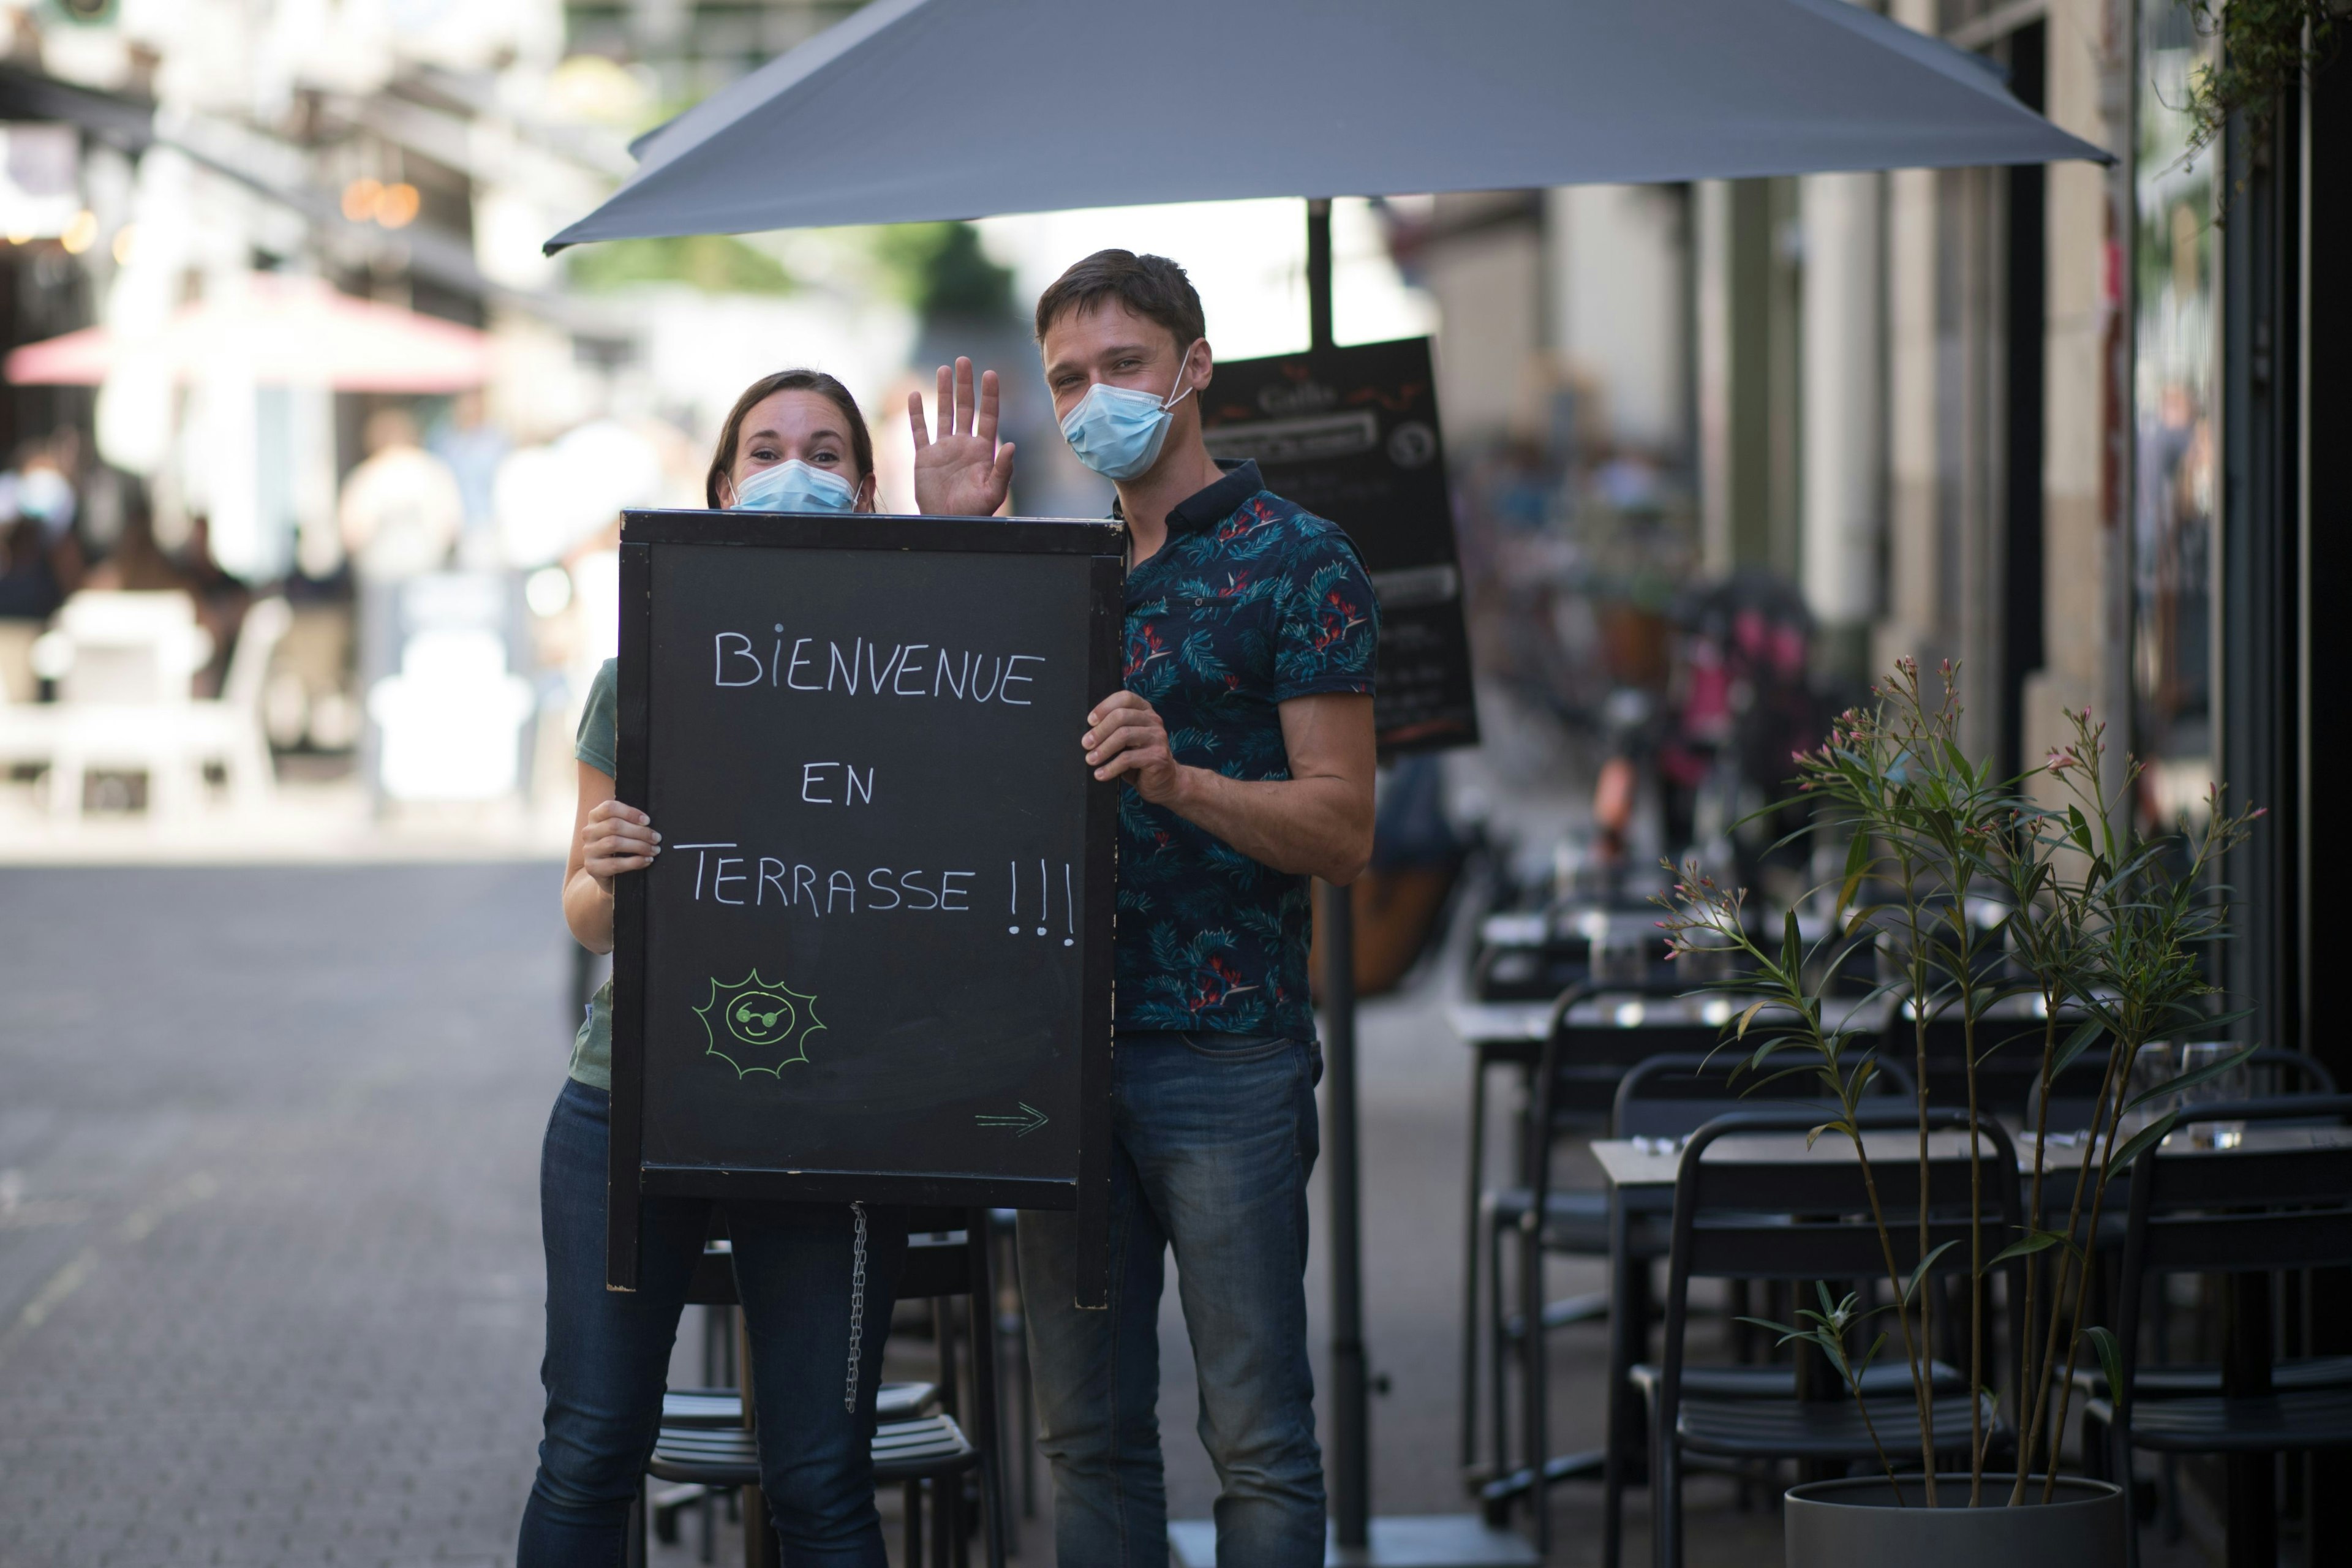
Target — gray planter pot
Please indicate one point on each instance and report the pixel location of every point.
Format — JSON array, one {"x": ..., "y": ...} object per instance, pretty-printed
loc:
[{"x": 1854, "y": 1523}]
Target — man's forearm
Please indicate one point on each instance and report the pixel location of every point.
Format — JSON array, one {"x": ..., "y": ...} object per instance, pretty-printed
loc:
[{"x": 1310, "y": 827}]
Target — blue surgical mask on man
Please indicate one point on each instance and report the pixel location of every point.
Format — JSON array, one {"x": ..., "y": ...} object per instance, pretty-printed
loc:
[
  {"x": 1116, "y": 431},
  {"x": 793, "y": 486}
]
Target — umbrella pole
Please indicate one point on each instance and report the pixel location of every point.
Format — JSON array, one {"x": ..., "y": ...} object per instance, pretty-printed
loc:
[
  {"x": 1319, "y": 273},
  {"x": 1350, "y": 1460}
]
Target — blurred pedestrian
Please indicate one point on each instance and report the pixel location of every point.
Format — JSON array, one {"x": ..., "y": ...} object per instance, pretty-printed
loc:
[
  {"x": 401, "y": 510},
  {"x": 137, "y": 564},
  {"x": 41, "y": 559},
  {"x": 473, "y": 448}
]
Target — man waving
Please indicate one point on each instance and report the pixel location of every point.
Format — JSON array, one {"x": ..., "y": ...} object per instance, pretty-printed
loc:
[{"x": 1244, "y": 736}]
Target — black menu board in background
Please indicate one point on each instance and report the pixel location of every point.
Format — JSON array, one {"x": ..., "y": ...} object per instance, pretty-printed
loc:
[
  {"x": 873, "y": 959},
  {"x": 1351, "y": 433}
]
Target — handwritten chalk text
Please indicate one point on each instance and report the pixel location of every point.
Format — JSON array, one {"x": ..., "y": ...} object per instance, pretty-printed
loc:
[
  {"x": 908, "y": 669},
  {"x": 765, "y": 881}
]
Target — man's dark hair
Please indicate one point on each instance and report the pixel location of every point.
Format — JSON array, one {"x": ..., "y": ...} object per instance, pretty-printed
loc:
[{"x": 1152, "y": 286}]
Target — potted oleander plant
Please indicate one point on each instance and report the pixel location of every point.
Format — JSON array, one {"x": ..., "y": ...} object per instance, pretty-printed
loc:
[{"x": 1969, "y": 891}]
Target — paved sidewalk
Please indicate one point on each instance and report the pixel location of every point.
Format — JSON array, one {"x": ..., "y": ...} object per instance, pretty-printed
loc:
[
  {"x": 270, "y": 1283},
  {"x": 269, "y": 1277},
  {"x": 310, "y": 822}
]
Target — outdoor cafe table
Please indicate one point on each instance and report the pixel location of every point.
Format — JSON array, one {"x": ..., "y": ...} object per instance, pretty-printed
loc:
[
  {"x": 1513, "y": 1034},
  {"x": 1640, "y": 1174}
]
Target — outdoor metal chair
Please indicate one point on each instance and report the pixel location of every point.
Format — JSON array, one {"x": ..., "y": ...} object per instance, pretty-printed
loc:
[
  {"x": 1771, "y": 1216},
  {"x": 919, "y": 1443},
  {"x": 228, "y": 730},
  {"x": 1577, "y": 1083},
  {"x": 2009, "y": 1061},
  {"x": 1573, "y": 1081},
  {"x": 1674, "y": 1094},
  {"x": 721, "y": 1409},
  {"x": 2275, "y": 1070},
  {"x": 1537, "y": 956},
  {"x": 127, "y": 659},
  {"x": 2246, "y": 1212},
  {"x": 124, "y": 663},
  {"x": 1671, "y": 1096}
]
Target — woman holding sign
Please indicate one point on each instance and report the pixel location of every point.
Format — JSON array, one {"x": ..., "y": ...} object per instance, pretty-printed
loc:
[{"x": 817, "y": 1280}]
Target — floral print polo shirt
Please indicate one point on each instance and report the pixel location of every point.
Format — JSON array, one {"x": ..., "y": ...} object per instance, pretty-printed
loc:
[{"x": 1250, "y": 603}]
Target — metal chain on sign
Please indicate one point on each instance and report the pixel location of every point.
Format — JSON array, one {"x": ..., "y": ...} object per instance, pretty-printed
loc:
[{"x": 856, "y": 1307}]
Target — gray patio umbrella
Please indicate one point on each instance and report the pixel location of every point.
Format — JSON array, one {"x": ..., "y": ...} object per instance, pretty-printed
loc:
[{"x": 918, "y": 110}]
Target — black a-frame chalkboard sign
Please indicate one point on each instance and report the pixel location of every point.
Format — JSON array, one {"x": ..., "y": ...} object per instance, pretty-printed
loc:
[{"x": 874, "y": 958}]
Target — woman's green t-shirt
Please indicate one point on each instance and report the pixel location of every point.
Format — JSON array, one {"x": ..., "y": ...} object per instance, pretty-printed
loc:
[{"x": 592, "y": 1048}]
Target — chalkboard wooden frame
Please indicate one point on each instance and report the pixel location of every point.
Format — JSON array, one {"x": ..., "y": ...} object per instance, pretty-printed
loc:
[{"x": 630, "y": 1179}]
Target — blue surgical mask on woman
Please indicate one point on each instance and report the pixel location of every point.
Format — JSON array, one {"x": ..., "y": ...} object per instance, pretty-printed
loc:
[
  {"x": 793, "y": 486},
  {"x": 1116, "y": 431}
]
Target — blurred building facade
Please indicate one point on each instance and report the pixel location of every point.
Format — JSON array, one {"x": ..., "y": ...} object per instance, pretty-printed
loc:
[
  {"x": 195, "y": 154},
  {"x": 169, "y": 163},
  {"x": 2065, "y": 426}
]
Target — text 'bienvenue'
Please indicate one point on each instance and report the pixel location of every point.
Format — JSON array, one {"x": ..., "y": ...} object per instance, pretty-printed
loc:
[{"x": 863, "y": 668}]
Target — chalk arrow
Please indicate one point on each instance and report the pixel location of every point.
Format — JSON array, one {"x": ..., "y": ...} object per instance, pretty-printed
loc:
[{"x": 1027, "y": 1121}]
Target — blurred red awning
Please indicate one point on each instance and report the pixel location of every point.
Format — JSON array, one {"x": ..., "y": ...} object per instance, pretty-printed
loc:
[{"x": 277, "y": 329}]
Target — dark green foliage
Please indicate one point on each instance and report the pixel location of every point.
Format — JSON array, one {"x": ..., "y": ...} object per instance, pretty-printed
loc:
[
  {"x": 2267, "y": 45},
  {"x": 714, "y": 263},
  {"x": 941, "y": 270}
]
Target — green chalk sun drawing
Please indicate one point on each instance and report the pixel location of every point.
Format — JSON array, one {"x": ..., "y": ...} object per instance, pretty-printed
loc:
[{"x": 758, "y": 1026}]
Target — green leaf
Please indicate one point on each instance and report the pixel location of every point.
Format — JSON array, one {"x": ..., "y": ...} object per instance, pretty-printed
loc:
[
  {"x": 2084, "y": 1036},
  {"x": 2034, "y": 1242},
  {"x": 2205, "y": 1074},
  {"x": 1792, "y": 950},
  {"x": 1870, "y": 1355},
  {"x": 1857, "y": 863},
  {"x": 2080, "y": 830},
  {"x": 2110, "y": 1358},
  {"x": 2153, "y": 1133},
  {"x": 1911, "y": 1286}
]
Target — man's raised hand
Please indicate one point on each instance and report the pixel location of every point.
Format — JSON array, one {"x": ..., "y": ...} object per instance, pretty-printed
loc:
[{"x": 960, "y": 471}]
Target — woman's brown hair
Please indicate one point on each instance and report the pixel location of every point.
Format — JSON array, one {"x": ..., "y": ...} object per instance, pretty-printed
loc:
[{"x": 731, "y": 435}]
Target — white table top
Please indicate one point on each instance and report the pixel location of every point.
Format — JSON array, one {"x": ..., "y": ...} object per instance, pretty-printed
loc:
[
  {"x": 1648, "y": 1162},
  {"x": 1527, "y": 1022}
]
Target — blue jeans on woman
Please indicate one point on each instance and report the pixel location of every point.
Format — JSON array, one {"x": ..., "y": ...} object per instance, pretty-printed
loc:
[
  {"x": 1212, "y": 1137},
  {"x": 608, "y": 1356}
]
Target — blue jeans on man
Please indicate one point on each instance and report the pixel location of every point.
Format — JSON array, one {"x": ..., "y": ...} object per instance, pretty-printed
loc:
[
  {"x": 1213, "y": 1139},
  {"x": 608, "y": 1356}
]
